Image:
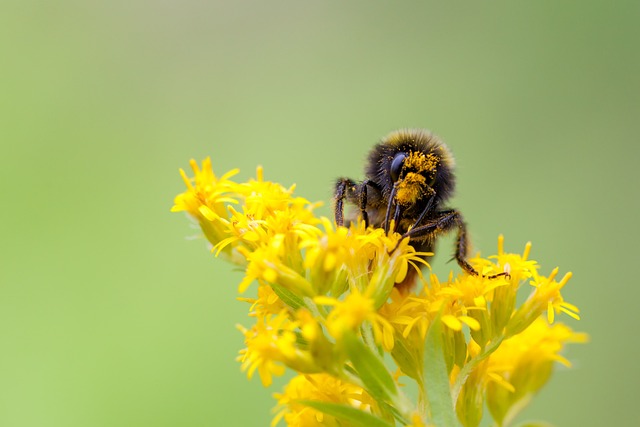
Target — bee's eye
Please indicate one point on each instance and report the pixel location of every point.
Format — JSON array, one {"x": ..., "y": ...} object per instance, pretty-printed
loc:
[{"x": 396, "y": 166}]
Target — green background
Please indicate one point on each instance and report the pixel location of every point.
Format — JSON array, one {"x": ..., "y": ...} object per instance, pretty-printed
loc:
[{"x": 110, "y": 317}]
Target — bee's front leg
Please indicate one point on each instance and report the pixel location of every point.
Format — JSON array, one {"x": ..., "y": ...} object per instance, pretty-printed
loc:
[
  {"x": 340, "y": 193},
  {"x": 354, "y": 193},
  {"x": 444, "y": 222}
]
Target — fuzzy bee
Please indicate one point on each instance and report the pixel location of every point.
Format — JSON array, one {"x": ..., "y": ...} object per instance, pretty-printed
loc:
[{"x": 409, "y": 176}]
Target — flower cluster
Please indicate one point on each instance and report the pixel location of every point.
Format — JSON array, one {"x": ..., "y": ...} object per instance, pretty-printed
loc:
[{"x": 327, "y": 307}]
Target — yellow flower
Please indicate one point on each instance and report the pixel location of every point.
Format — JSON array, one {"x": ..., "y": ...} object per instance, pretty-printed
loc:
[
  {"x": 206, "y": 199},
  {"x": 267, "y": 266},
  {"x": 417, "y": 421},
  {"x": 546, "y": 298},
  {"x": 329, "y": 258},
  {"x": 266, "y": 303},
  {"x": 514, "y": 372},
  {"x": 524, "y": 364},
  {"x": 319, "y": 388},
  {"x": 267, "y": 344},
  {"x": 350, "y": 313},
  {"x": 266, "y": 210},
  {"x": 319, "y": 284},
  {"x": 271, "y": 345},
  {"x": 408, "y": 314},
  {"x": 364, "y": 259}
]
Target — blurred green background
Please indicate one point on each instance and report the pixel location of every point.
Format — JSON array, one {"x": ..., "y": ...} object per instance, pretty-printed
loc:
[{"x": 110, "y": 317}]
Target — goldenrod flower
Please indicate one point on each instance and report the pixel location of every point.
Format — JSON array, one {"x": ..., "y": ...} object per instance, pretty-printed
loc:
[
  {"x": 523, "y": 364},
  {"x": 327, "y": 308},
  {"x": 269, "y": 343},
  {"x": 266, "y": 303},
  {"x": 206, "y": 199},
  {"x": 350, "y": 313},
  {"x": 320, "y": 388}
]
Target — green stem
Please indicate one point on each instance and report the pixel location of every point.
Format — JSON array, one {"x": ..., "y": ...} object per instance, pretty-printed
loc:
[
  {"x": 423, "y": 402},
  {"x": 471, "y": 365}
]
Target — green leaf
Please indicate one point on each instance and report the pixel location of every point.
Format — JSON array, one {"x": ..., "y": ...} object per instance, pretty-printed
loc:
[
  {"x": 437, "y": 378},
  {"x": 371, "y": 369},
  {"x": 354, "y": 416},
  {"x": 366, "y": 331},
  {"x": 395, "y": 413},
  {"x": 406, "y": 359},
  {"x": 291, "y": 299}
]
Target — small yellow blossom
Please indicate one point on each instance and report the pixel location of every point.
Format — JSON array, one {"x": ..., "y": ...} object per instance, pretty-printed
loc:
[
  {"x": 266, "y": 303},
  {"x": 524, "y": 363},
  {"x": 417, "y": 421},
  {"x": 207, "y": 198},
  {"x": 352, "y": 312},
  {"x": 266, "y": 266},
  {"x": 268, "y": 343},
  {"x": 546, "y": 299},
  {"x": 320, "y": 388}
]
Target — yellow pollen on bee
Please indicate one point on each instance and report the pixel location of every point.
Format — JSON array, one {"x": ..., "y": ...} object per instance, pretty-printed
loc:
[
  {"x": 420, "y": 162},
  {"x": 410, "y": 188}
]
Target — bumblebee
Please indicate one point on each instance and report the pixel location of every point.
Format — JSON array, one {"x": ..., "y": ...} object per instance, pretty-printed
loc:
[{"x": 409, "y": 176}]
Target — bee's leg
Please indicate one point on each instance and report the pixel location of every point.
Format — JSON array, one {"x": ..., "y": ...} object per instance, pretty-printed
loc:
[
  {"x": 362, "y": 190},
  {"x": 340, "y": 193},
  {"x": 356, "y": 194},
  {"x": 462, "y": 246},
  {"x": 425, "y": 211},
  {"x": 362, "y": 194},
  {"x": 392, "y": 199},
  {"x": 444, "y": 222},
  {"x": 396, "y": 217},
  {"x": 353, "y": 193},
  {"x": 461, "y": 251}
]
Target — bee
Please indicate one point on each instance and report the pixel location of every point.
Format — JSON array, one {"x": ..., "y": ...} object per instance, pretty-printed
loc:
[{"x": 409, "y": 177}]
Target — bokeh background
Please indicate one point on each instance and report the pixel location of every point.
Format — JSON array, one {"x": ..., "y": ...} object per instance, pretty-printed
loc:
[{"x": 110, "y": 317}]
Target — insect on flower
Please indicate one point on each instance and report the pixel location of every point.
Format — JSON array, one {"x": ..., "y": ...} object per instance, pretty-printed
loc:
[{"x": 409, "y": 176}]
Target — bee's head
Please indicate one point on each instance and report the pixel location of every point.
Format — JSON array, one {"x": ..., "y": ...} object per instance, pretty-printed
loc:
[
  {"x": 413, "y": 174},
  {"x": 417, "y": 163}
]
